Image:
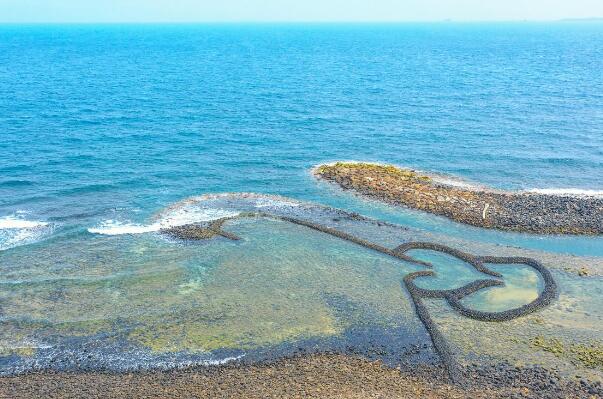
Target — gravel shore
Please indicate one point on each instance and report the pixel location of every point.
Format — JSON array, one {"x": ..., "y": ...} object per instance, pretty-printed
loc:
[
  {"x": 514, "y": 211},
  {"x": 308, "y": 376}
]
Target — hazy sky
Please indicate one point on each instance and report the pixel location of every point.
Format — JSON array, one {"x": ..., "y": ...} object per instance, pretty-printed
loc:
[{"x": 292, "y": 10}]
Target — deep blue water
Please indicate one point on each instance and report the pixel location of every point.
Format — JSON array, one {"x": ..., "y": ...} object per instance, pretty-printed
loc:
[{"x": 117, "y": 121}]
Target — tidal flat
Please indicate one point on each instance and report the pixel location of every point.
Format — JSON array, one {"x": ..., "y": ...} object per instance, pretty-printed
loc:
[{"x": 273, "y": 288}]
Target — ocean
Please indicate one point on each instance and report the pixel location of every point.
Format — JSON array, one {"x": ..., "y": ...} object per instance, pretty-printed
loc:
[{"x": 103, "y": 127}]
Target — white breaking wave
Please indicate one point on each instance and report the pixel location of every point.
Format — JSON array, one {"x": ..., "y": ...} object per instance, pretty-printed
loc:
[
  {"x": 178, "y": 217},
  {"x": 193, "y": 210},
  {"x": 115, "y": 227},
  {"x": 182, "y": 216},
  {"x": 10, "y": 222},
  {"x": 15, "y": 231},
  {"x": 578, "y": 192}
]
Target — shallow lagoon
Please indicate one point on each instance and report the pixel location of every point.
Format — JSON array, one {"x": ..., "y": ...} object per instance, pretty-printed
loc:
[{"x": 126, "y": 301}]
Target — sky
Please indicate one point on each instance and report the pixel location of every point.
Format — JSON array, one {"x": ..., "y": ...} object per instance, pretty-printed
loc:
[{"x": 17, "y": 11}]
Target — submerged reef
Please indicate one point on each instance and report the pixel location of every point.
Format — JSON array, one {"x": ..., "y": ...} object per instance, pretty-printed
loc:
[
  {"x": 513, "y": 211},
  {"x": 452, "y": 296}
]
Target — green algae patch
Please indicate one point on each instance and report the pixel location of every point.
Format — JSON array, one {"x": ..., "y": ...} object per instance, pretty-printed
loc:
[
  {"x": 552, "y": 345},
  {"x": 588, "y": 355},
  {"x": 24, "y": 351},
  {"x": 198, "y": 336},
  {"x": 84, "y": 328},
  {"x": 371, "y": 169}
]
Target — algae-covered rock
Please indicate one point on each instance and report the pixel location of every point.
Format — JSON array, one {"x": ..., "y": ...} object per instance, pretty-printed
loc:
[{"x": 589, "y": 355}]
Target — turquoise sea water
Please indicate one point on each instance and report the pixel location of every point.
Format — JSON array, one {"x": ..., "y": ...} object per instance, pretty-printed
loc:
[
  {"x": 116, "y": 122},
  {"x": 104, "y": 126}
]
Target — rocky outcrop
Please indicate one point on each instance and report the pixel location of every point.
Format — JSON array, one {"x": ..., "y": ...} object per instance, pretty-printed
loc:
[
  {"x": 515, "y": 211},
  {"x": 200, "y": 231}
]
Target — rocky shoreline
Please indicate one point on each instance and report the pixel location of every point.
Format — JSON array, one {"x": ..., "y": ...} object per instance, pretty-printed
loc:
[
  {"x": 511, "y": 211},
  {"x": 303, "y": 375}
]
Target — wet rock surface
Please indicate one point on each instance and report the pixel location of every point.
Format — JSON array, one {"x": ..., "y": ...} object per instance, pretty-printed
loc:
[
  {"x": 190, "y": 232},
  {"x": 316, "y": 376},
  {"x": 514, "y": 211},
  {"x": 531, "y": 382},
  {"x": 199, "y": 231}
]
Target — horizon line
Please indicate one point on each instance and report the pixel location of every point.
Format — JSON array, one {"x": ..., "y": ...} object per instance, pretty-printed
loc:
[{"x": 300, "y": 22}]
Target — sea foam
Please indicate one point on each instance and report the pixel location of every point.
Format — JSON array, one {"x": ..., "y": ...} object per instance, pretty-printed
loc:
[
  {"x": 176, "y": 217},
  {"x": 15, "y": 231},
  {"x": 11, "y": 222},
  {"x": 116, "y": 227}
]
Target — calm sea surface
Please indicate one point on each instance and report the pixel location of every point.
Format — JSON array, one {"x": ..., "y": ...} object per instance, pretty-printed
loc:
[
  {"x": 117, "y": 122},
  {"x": 103, "y": 126}
]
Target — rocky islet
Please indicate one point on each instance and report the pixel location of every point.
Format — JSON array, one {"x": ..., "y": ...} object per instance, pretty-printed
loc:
[{"x": 511, "y": 211}]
